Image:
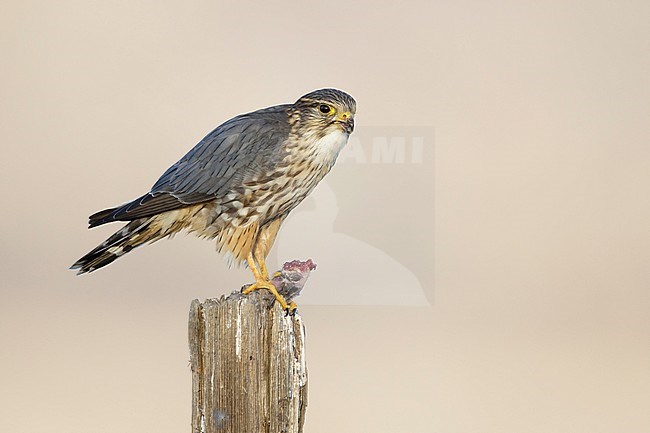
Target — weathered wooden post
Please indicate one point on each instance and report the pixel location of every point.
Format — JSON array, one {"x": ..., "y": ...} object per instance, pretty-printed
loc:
[{"x": 248, "y": 366}]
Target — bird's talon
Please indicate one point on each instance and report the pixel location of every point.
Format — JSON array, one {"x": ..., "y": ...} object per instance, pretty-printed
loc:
[
  {"x": 288, "y": 308},
  {"x": 290, "y": 311},
  {"x": 247, "y": 288}
]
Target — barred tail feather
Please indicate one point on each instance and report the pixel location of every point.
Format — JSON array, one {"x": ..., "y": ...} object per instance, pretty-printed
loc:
[{"x": 121, "y": 242}]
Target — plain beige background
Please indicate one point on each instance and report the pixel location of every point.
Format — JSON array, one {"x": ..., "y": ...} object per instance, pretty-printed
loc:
[{"x": 539, "y": 298}]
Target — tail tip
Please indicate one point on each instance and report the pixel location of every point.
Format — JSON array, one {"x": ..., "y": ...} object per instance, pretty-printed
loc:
[{"x": 83, "y": 267}]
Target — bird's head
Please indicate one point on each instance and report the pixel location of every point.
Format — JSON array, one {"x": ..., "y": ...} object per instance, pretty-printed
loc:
[{"x": 328, "y": 110}]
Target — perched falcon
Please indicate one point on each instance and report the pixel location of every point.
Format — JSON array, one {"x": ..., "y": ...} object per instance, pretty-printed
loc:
[{"x": 237, "y": 185}]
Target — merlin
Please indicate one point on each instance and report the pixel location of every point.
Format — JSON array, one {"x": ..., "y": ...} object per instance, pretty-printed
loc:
[{"x": 237, "y": 185}]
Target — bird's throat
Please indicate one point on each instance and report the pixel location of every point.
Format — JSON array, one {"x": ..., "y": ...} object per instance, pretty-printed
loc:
[{"x": 325, "y": 150}]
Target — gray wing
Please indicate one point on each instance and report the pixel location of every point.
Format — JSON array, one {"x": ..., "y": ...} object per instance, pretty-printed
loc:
[{"x": 236, "y": 151}]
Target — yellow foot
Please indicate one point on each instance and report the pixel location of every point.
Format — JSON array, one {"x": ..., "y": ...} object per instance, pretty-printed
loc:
[
  {"x": 262, "y": 281},
  {"x": 289, "y": 308}
]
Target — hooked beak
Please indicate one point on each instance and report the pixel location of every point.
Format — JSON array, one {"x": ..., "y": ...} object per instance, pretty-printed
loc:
[{"x": 346, "y": 121}]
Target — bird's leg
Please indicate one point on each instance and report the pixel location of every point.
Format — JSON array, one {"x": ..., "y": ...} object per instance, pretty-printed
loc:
[
  {"x": 256, "y": 272},
  {"x": 263, "y": 270},
  {"x": 262, "y": 282}
]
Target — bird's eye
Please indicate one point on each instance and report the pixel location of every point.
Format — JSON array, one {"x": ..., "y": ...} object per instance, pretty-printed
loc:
[{"x": 325, "y": 109}]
